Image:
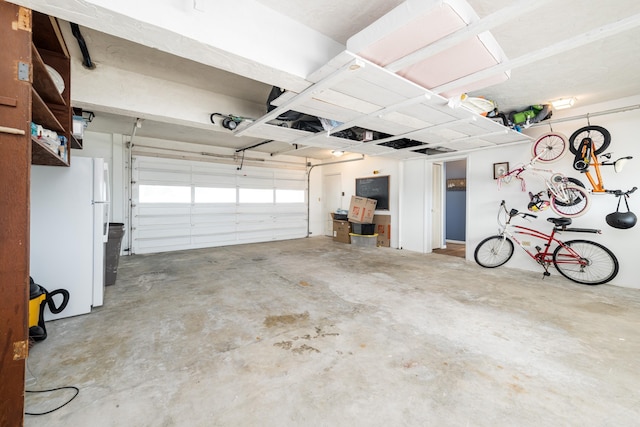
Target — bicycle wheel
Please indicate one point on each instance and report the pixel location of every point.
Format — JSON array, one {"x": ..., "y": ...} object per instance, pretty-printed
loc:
[
  {"x": 576, "y": 181},
  {"x": 576, "y": 204},
  {"x": 600, "y": 136},
  {"x": 550, "y": 147},
  {"x": 585, "y": 262},
  {"x": 493, "y": 251}
]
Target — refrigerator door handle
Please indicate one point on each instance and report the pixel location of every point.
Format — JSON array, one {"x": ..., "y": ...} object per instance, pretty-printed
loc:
[
  {"x": 107, "y": 201},
  {"x": 107, "y": 183}
]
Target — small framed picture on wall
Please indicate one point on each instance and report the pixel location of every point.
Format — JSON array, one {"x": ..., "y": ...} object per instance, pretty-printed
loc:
[{"x": 500, "y": 169}]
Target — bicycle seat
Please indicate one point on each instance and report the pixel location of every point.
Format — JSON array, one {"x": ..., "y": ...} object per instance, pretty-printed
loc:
[{"x": 560, "y": 222}]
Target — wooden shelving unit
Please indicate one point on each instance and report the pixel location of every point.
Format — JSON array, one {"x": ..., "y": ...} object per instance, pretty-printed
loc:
[{"x": 50, "y": 108}]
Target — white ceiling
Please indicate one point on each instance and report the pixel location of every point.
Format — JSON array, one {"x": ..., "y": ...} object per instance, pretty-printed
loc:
[{"x": 600, "y": 71}]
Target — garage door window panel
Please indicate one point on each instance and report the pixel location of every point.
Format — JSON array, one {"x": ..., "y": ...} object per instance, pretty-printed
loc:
[
  {"x": 164, "y": 194},
  {"x": 256, "y": 195},
  {"x": 215, "y": 195},
  {"x": 289, "y": 196}
]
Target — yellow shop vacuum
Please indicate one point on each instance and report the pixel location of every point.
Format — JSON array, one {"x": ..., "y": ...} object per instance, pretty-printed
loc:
[{"x": 39, "y": 298}]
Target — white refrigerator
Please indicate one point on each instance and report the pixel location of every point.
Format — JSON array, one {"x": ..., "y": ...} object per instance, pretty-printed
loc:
[{"x": 69, "y": 229}]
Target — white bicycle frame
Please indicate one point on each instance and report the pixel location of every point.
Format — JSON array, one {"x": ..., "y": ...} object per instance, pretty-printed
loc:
[{"x": 556, "y": 184}]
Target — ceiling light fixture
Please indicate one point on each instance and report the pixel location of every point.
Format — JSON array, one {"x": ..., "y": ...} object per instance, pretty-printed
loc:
[
  {"x": 337, "y": 153},
  {"x": 563, "y": 103}
]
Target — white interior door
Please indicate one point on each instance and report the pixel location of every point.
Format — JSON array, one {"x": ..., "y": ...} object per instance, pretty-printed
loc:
[
  {"x": 436, "y": 207},
  {"x": 332, "y": 197}
]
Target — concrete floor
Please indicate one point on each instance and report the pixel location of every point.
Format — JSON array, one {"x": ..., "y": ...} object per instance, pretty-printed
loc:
[{"x": 313, "y": 332}]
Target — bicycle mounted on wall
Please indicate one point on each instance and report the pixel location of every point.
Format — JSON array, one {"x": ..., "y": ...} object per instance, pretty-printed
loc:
[
  {"x": 581, "y": 261},
  {"x": 588, "y": 145},
  {"x": 567, "y": 196}
]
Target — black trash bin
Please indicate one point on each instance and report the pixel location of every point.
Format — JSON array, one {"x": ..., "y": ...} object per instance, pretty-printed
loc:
[{"x": 112, "y": 253}]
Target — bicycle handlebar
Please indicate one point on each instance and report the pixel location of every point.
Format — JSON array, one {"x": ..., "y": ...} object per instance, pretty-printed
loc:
[
  {"x": 515, "y": 212},
  {"x": 618, "y": 193}
]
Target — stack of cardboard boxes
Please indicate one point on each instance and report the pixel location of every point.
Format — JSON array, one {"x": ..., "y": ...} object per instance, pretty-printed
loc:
[
  {"x": 361, "y": 213},
  {"x": 360, "y": 226}
]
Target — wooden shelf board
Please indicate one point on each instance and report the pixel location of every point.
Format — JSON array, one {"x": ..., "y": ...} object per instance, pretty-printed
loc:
[
  {"x": 42, "y": 115},
  {"x": 42, "y": 155},
  {"x": 42, "y": 81}
]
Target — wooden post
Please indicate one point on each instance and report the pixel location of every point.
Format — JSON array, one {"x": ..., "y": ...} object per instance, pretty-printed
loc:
[{"x": 15, "y": 167}]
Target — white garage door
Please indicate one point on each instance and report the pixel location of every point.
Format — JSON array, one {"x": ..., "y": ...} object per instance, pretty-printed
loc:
[{"x": 180, "y": 204}]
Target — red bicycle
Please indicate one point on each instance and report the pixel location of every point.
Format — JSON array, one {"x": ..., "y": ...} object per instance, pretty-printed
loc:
[{"x": 582, "y": 261}]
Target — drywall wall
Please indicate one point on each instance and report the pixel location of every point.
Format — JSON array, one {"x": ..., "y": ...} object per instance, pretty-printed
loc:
[{"x": 484, "y": 195}]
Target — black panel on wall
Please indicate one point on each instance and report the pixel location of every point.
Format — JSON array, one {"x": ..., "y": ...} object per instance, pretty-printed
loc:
[{"x": 377, "y": 188}]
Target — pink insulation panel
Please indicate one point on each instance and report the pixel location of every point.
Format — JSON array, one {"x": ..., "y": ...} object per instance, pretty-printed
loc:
[
  {"x": 415, "y": 34},
  {"x": 412, "y": 26}
]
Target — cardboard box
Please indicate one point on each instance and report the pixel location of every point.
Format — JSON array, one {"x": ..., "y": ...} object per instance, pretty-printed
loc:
[
  {"x": 383, "y": 229},
  {"x": 361, "y": 210},
  {"x": 341, "y": 230}
]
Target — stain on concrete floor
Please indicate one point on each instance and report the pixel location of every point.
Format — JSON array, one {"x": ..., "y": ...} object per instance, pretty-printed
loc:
[{"x": 285, "y": 319}]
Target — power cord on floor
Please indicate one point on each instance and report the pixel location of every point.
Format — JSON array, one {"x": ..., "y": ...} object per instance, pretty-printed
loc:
[
  {"x": 50, "y": 390},
  {"x": 34, "y": 380}
]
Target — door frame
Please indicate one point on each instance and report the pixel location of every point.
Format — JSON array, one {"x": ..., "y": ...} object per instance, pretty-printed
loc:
[
  {"x": 328, "y": 224},
  {"x": 443, "y": 211},
  {"x": 437, "y": 206}
]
